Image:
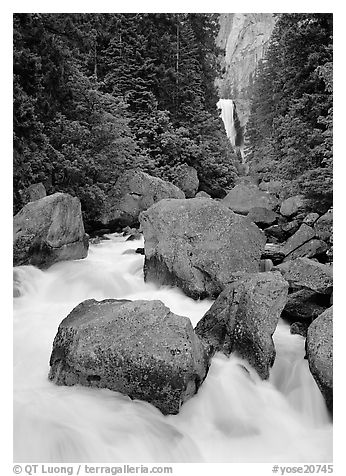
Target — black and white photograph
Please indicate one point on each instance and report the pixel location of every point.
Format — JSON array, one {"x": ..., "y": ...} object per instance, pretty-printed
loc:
[{"x": 172, "y": 241}]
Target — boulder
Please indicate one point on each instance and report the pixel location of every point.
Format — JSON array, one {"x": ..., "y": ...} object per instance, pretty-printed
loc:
[
  {"x": 304, "y": 306},
  {"x": 273, "y": 186},
  {"x": 197, "y": 244},
  {"x": 49, "y": 230},
  {"x": 273, "y": 252},
  {"x": 187, "y": 180},
  {"x": 244, "y": 197},
  {"x": 244, "y": 317},
  {"x": 202, "y": 194},
  {"x": 263, "y": 217},
  {"x": 293, "y": 205},
  {"x": 311, "y": 218},
  {"x": 304, "y": 234},
  {"x": 324, "y": 226},
  {"x": 138, "y": 348},
  {"x": 307, "y": 273},
  {"x": 34, "y": 192},
  {"x": 299, "y": 328},
  {"x": 319, "y": 351},
  {"x": 310, "y": 249},
  {"x": 134, "y": 192},
  {"x": 282, "y": 231}
]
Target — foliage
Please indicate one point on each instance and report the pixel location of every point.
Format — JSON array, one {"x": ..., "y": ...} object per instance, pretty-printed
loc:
[{"x": 290, "y": 127}]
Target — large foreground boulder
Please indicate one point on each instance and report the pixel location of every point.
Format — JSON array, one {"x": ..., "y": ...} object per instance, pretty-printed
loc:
[
  {"x": 138, "y": 348},
  {"x": 244, "y": 317},
  {"x": 319, "y": 350},
  {"x": 197, "y": 245},
  {"x": 187, "y": 180},
  {"x": 242, "y": 198},
  {"x": 134, "y": 192},
  {"x": 307, "y": 273},
  {"x": 49, "y": 230}
]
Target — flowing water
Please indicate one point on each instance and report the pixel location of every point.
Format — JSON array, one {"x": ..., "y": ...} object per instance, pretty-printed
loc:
[{"x": 235, "y": 417}]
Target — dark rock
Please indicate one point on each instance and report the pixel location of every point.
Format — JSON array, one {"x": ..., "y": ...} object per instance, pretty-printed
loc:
[
  {"x": 311, "y": 249},
  {"x": 136, "y": 236},
  {"x": 324, "y": 226},
  {"x": 197, "y": 244},
  {"x": 134, "y": 192},
  {"x": 187, "y": 180},
  {"x": 138, "y": 348},
  {"x": 49, "y": 230},
  {"x": 319, "y": 350},
  {"x": 263, "y": 217},
  {"x": 244, "y": 317},
  {"x": 293, "y": 205},
  {"x": 311, "y": 218},
  {"x": 244, "y": 197},
  {"x": 140, "y": 251},
  {"x": 304, "y": 234},
  {"x": 307, "y": 273},
  {"x": 304, "y": 306},
  {"x": 299, "y": 328},
  {"x": 273, "y": 252}
]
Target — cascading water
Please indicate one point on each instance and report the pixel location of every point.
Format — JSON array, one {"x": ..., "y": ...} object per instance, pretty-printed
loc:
[
  {"x": 232, "y": 126},
  {"x": 235, "y": 417}
]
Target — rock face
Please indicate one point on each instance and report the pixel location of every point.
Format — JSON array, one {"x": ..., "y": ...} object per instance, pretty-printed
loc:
[
  {"x": 49, "y": 230},
  {"x": 307, "y": 273},
  {"x": 134, "y": 192},
  {"x": 187, "y": 181},
  {"x": 202, "y": 194},
  {"x": 138, "y": 348},
  {"x": 293, "y": 205},
  {"x": 244, "y": 37},
  {"x": 34, "y": 192},
  {"x": 319, "y": 350},
  {"x": 244, "y": 317},
  {"x": 242, "y": 198},
  {"x": 197, "y": 244}
]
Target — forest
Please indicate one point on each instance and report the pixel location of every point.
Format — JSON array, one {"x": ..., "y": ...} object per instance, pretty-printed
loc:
[{"x": 97, "y": 94}]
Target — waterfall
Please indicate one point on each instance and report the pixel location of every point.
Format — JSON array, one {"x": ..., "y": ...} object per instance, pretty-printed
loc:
[
  {"x": 232, "y": 125},
  {"x": 235, "y": 416}
]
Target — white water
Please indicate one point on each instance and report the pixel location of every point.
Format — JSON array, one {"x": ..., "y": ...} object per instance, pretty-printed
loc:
[
  {"x": 227, "y": 115},
  {"x": 235, "y": 417}
]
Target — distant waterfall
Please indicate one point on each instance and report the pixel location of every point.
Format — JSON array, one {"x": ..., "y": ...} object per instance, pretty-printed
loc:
[{"x": 232, "y": 125}]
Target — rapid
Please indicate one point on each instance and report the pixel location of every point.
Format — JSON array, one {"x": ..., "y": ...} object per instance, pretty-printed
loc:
[{"x": 235, "y": 417}]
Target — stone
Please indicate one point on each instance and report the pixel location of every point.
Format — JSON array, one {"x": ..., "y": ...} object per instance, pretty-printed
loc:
[
  {"x": 244, "y": 317},
  {"x": 244, "y": 197},
  {"x": 138, "y": 348},
  {"x": 273, "y": 252},
  {"x": 263, "y": 217},
  {"x": 202, "y": 194},
  {"x": 324, "y": 226},
  {"x": 311, "y": 218},
  {"x": 311, "y": 249},
  {"x": 34, "y": 192},
  {"x": 304, "y": 234},
  {"x": 49, "y": 230},
  {"x": 273, "y": 186},
  {"x": 293, "y": 205},
  {"x": 299, "y": 328},
  {"x": 197, "y": 244},
  {"x": 304, "y": 306},
  {"x": 134, "y": 192},
  {"x": 319, "y": 351},
  {"x": 187, "y": 180},
  {"x": 307, "y": 273}
]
